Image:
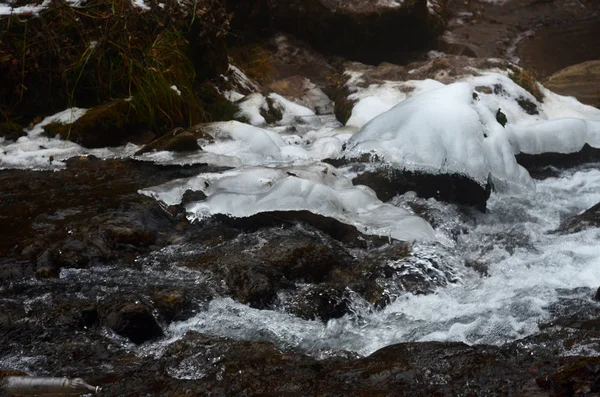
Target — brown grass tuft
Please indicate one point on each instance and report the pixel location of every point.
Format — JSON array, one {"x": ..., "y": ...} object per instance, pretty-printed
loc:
[
  {"x": 255, "y": 61},
  {"x": 527, "y": 80}
]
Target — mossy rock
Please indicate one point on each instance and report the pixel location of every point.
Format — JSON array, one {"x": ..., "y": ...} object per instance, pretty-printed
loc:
[
  {"x": 273, "y": 112},
  {"x": 11, "y": 131},
  {"x": 178, "y": 140},
  {"x": 215, "y": 105},
  {"x": 110, "y": 124},
  {"x": 343, "y": 105}
]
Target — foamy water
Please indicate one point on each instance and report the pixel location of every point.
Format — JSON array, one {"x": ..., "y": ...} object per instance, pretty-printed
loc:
[{"x": 528, "y": 270}]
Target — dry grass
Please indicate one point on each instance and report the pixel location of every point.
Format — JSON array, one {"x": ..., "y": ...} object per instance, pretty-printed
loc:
[
  {"x": 527, "y": 80},
  {"x": 106, "y": 49},
  {"x": 255, "y": 61}
]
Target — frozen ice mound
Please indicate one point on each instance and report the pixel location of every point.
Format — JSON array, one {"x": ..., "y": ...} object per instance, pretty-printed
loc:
[
  {"x": 316, "y": 188},
  {"x": 453, "y": 130}
]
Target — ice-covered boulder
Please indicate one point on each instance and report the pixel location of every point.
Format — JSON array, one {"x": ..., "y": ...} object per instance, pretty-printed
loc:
[
  {"x": 317, "y": 188},
  {"x": 454, "y": 137}
]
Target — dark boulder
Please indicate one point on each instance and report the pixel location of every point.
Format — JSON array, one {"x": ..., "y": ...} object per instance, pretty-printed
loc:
[
  {"x": 228, "y": 367},
  {"x": 133, "y": 321},
  {"x": 545, "y": 165},
  {"x": 451, "y": 188},
  {"x": 322, "y": 302}
]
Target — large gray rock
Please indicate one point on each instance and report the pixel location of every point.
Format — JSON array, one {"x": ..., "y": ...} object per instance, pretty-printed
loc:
[{"x": 581, "y": 81}]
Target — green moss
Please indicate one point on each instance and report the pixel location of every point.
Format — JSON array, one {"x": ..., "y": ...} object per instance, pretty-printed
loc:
[
  {"x": 273, "y": 113},
  {"x": 216, "y": 106},
  {"x": 343, "y": 105},
  {"x": 11, "y": 131}
]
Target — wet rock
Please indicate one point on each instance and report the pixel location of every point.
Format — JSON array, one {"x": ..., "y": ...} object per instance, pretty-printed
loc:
[
  {"x": 178, "y": 140},
  {"x": 597, "y": 295},
  {"x": 426, "y": 369},
  {"x": 89, "y": 316},
  {"x": 133, "y": 321},
  {"x": 388, "y": 183},
  {"x": 545, "y": 165},
  {"x": 305, "y": 259},
  {"x": 581, "y": 81},
  {"x": 347, "y": 234},
  {"x": 322, "y": 302},
  {"x": 589, "y": 218},
  {"x": 235, "y": 367},
  {"x": 173, "y": 305},
  {"x": 47, "y": 265},
  {"x": 86, "y": 215},
  {"x": 579, "y": 377}
]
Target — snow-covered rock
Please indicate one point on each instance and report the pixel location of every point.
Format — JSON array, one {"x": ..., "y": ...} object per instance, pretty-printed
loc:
[
  {"x": 303, "y": 92},
  {"x": 452, "y": 125},
  {"x": 272, "y": 109}
]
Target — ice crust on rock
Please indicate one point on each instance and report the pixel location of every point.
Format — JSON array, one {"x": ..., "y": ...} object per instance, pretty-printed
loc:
[
  {"x": 316, "y": 188},
  {"x": 252, "y": 106},
  {"x": 245, "y": 144},
  {"x": 452, "y": 129}
]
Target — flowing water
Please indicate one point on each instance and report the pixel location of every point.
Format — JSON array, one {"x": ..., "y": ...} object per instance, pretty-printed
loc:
[{"x": 528, "y": 274}]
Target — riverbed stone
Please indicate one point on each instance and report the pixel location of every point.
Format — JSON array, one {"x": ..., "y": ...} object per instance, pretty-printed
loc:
[{"x": 133, "y": 321}]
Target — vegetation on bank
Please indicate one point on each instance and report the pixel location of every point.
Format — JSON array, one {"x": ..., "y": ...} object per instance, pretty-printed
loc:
[{"x": 149, "y": 67}]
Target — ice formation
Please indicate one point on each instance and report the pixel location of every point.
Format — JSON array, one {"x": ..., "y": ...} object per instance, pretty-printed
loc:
[
  {"x": 453, "y": 129},
  {"x": 254, "y": 106},
  {"x": 316, "y": 188}
]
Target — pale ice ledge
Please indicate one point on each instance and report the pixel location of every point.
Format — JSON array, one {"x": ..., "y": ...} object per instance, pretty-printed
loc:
[
  {"x": 316, "y": 188},
  {"x": 449, "y": 130}
]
